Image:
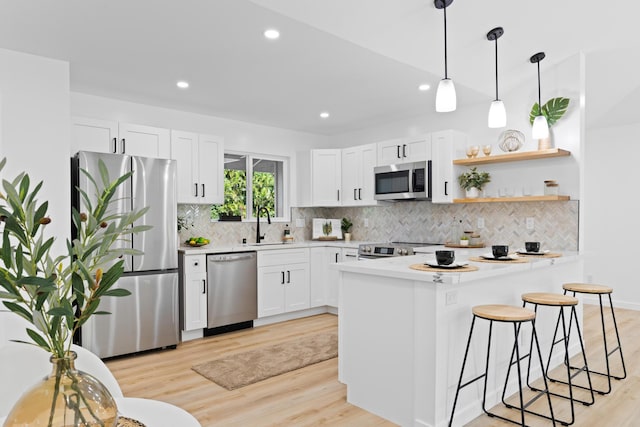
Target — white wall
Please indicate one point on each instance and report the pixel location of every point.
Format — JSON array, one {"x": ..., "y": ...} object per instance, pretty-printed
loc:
[
  {"x": 239, "y": 136},
  {"x": 611, "y": 211},
  {"x": 34, "y": 122}
]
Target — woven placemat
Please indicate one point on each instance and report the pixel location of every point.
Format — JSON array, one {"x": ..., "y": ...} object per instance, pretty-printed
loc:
[
  {"x": 424, "y": 267},
  {"x": 547, "y": 255},
  {"x": 129, "y": 422},
  {"x": 519, "y": 260}
]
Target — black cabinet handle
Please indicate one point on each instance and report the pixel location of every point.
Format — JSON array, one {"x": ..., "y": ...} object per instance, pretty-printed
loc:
[
  {"x": 359, "y": 193},
  {"x": 336, "y": 256},
  {"x": 288, "y": 276},
  {"x": 204, "y": 286},
  {"x": 282, "y": 283},
  {"x": 446, "y": 189},
  {"x": 398, "y": 151},
  {"x": 355, "y": 197},
  {"x": 338, "y": 195},
  {"x": 195, "y": 263},
  {"x": 115, "y": 145},
  {"x": 196, "y": 185},
  {"x": 404, "y": 150},
  {"x": 202, "y": 190},
  {"x": 123, "y": 146}
]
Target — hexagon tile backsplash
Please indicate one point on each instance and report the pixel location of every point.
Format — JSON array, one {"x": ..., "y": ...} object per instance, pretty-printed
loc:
[{"x": 555, "y": 224}]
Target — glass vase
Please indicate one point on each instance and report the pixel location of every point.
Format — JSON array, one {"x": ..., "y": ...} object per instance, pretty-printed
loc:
[{"x": 66, "y": 397}]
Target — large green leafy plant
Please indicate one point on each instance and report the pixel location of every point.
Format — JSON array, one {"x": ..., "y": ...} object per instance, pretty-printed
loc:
[
  {"x": 57, "y": 295},
  {"x": 552, "y": 110}
]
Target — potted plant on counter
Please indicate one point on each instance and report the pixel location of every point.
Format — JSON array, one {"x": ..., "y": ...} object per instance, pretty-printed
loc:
[
  {"x": 346, "y": 225},
  {"x": 473, "y": 182}
]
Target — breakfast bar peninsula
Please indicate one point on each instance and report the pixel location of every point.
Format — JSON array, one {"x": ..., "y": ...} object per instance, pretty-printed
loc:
[{"x": 403, "y": 331}]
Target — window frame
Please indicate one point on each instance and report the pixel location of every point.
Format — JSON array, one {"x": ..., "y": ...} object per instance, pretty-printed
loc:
[{"x": 286, "y": 183}]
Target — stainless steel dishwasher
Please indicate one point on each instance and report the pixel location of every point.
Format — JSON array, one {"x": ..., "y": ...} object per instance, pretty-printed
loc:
[{"x": 232, "y": 294}]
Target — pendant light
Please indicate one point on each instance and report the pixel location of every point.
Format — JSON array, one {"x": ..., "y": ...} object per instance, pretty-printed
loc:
[
  {"x": 497, "y": 113},
  {"x": 446, "y": 94},
  {"x": 540, "y": 129}
]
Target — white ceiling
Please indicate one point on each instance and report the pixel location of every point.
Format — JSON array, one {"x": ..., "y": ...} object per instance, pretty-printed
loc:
[{"x": 361, "y": 60}]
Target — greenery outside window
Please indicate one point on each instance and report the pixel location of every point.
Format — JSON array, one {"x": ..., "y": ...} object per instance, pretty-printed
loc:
[{"x": 256, "y": 178}]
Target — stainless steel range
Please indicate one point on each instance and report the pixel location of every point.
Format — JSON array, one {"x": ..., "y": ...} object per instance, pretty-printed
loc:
[{"x": 388, "y": 249}]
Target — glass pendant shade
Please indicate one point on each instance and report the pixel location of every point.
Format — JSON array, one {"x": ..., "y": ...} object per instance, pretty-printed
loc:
[
  {"x": 497, "y": 115},
  {"x": 446, "y": 96},
  {"x": 540, "y": 128}
]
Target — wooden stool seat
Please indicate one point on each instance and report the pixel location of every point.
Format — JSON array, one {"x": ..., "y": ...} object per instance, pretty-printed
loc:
[
  {"x": 587, "y": 288},
  {"x": 503, "y": 313},
  {"x": 547, "y": 298}
]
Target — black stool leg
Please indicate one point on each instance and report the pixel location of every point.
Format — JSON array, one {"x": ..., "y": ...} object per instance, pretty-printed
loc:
[
  {"x": 619, "y": 348},
  {"x": 464, "y": 362}
]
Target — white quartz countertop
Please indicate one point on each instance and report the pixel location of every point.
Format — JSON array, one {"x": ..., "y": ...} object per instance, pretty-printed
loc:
[
  {"x": 269, "y": 246},
  {"x": 398, "y": 267}
]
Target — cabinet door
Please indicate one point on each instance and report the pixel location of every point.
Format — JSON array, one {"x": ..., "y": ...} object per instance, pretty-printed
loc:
[
  {"x": 369, "y": 159},
  {"x": 334, "y": 257},
  {"x": 444, "y": 147},
  {"x": 318, "y": 267},
  {"x": 296, "y": 287},
  {"x": 271, "y": 288},
  {"x": 326, "y": 179},
  {"x": 184, "y": 150},
  {"x": 351, "y": 175},
  {"x": 146, "y": 141},
  {"x": 390, "y": 152},
  {"x": 417, "y": 148},
  {"x": 93, "y": 135},
  {"x": 195, "y": 292},
  {"x": 210, "y": 163}
]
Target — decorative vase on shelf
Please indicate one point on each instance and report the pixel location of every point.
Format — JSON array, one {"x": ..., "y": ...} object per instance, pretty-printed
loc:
[
  {"x": 545, "y": 143},
  {"x": 67, "y": 397},
  {"x": 472, "y": 193},
  {"x": 347, "y": 237}
]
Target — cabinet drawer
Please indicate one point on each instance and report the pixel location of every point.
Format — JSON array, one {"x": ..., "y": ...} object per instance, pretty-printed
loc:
[
  {"x": 282, "y": 256},
  {"x": 195, "y": 264}
]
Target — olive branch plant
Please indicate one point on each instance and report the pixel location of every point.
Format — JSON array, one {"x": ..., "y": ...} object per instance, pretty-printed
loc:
[{"x": 57, "y": 295}]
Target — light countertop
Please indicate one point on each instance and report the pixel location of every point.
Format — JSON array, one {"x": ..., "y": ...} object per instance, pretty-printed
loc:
[{"x": 213, "y": 249}]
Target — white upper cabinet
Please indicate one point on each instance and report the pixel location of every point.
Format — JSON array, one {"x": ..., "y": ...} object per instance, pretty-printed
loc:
[
  {"x": 200, "y": 163},
  {"x": 446, "y": 146},
  {"x": 319, "y": 177},
  {"x": 404, "y": 150},
  {"x": 105, "y": 136},
  {"x": 357, "y": 175}
]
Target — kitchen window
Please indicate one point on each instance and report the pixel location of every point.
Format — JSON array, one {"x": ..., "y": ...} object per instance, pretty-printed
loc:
[{"x": 251, "y": 181}]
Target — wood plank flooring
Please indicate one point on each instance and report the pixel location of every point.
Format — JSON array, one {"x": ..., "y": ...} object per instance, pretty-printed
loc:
[{"x": 313, "y": 396}]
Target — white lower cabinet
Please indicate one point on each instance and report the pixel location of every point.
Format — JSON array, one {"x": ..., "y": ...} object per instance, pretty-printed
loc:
[
  {"x": 324, "y": 278},
  {"x": 283, "y": 281},
  {"x": 193, "y": 291}
]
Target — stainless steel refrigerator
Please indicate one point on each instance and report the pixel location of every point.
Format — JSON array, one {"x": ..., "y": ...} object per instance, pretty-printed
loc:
[{"x": 148, "y": 318}]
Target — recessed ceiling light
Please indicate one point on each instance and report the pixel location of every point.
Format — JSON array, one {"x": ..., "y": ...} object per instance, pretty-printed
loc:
[
  {"x": 424, "y": 86},
  {"x": 324, "y": 115},
  {"x": 182, "y": 84},
  {"x": 272, "y": 34}
]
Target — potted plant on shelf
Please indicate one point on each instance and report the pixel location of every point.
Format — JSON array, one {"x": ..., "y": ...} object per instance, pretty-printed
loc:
[
  {"x": 57, "y": 295},
  {"x": 552, "y": 110},
  {"x": 473, "y": 181},
  {"x": 346, "y": 225}
]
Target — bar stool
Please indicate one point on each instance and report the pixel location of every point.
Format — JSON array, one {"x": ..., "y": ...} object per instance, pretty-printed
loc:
[
  {"x": 561, "y": 301},
  {"x": 587, "y": 288},
  {"x": 516, "y": 316}
]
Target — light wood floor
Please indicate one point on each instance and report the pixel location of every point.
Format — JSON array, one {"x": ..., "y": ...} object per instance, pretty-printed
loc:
[{"x": 313, "y": 396}]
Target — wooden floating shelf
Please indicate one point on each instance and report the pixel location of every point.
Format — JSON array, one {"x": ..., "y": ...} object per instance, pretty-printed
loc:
[
  {"x": 513, "y": 199},
  {"x": 513, "y": 157}
]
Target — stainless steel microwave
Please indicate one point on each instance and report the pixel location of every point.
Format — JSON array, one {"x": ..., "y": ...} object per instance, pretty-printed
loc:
[{"x": 404, "y": 181}]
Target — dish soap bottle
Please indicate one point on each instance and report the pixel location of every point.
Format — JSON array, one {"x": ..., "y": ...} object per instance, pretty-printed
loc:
[{"x": 286, "y": 236}]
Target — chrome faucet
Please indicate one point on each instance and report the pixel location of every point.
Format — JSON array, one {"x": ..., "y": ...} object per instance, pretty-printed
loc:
[{"x": 258, "y": 210}]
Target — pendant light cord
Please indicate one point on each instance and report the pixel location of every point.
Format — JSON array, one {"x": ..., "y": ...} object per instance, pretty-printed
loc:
[
  {"x": 445, "y": 40},
  {"x": 539, "y": 101},
  {"x": 496, "y": 68}
]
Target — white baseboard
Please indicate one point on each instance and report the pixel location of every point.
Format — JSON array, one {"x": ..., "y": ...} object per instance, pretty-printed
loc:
[
  {"x": 292, "y": 315},
  {"x": 616, "y": 304}
]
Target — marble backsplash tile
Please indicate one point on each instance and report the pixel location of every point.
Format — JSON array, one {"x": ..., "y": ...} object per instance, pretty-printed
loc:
[{"x": 555, "y": 223}]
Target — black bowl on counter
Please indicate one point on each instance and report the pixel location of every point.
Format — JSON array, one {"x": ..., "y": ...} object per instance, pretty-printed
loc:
[{"x": 445, "y": 257}]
